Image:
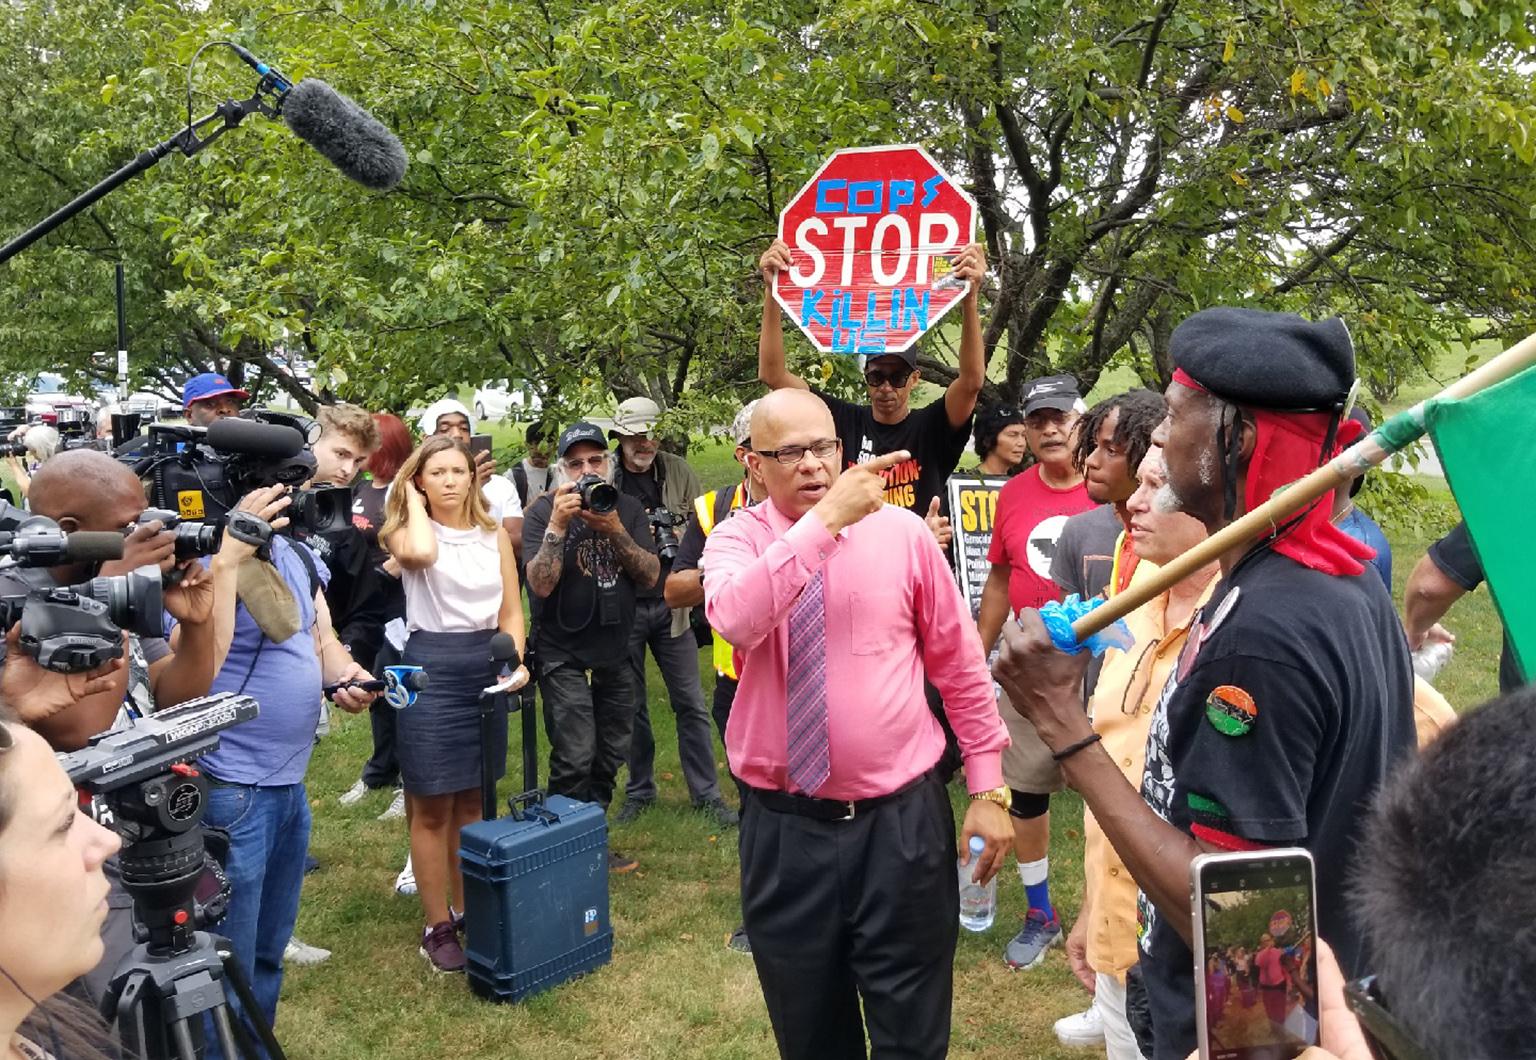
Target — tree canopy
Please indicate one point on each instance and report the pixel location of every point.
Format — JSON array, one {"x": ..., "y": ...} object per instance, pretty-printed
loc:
[{"x": 590, "y": 184}]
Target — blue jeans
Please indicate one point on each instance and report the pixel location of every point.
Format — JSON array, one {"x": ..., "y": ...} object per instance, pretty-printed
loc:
[{"x": 269, "y": 834}]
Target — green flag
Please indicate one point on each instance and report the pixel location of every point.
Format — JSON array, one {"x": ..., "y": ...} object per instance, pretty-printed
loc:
[{"x": 1490, "y": 463}]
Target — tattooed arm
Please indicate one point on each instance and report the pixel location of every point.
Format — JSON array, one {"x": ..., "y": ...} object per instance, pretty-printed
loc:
[{"x": 547, "y": 564}]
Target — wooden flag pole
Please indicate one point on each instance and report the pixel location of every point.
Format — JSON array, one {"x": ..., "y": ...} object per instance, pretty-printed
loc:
[{"x": 1392, "y": 436}]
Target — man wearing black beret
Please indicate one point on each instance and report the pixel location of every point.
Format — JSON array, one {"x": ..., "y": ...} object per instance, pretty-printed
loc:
[{"x": 1292, "y": 698}]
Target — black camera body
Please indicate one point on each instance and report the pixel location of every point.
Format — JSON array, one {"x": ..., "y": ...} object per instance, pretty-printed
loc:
[
  {"x": 598, "y": 495},
  {"x": 666, "y": 526},
  {"x": 201, "y": 473},
  {"x": 192, "y": 539},
  {"x": 70, "y": 629}
]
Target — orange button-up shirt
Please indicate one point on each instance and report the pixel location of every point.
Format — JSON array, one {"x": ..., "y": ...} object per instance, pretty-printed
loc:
[{"x": 1122, "y": 703}]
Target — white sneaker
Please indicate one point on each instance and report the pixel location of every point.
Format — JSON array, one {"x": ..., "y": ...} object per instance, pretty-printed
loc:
[
  {"x": 1086, "y": 1028},
  {"x": 353, "y": 795},
  {"x": 297, "y": 952},
  {"x": 405, "y": 883},
  {"x": 396, "y": 808}
]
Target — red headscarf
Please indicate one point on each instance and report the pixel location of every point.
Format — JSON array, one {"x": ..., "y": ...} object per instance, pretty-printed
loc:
[{"x": 1288, "y": 446}]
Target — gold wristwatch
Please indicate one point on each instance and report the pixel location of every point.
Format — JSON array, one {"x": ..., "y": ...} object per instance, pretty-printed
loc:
[{"x": 1002, "y": 796}]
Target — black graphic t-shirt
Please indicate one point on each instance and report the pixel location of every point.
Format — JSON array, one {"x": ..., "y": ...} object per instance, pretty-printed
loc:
[
  {"x": 1290, "y": 703},
  {"x": 587, "y": 618},
  {"x": 936, "y": 448}
]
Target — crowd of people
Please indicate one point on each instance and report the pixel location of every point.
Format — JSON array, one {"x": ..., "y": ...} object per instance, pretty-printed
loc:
[{"x": 1263, "y": 701}]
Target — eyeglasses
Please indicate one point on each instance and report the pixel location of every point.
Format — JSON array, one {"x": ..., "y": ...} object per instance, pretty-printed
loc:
[
  {"x": 793, "y": 454},
  {"x": 1384, "y": 1033},
  {"x": 595, "y": 461},
  {"x": 1130, "y": 704},
  {"x": 897, "y": 378}
]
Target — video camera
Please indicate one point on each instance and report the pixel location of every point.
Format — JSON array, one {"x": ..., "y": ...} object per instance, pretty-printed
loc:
[
  {"x": 665, "y": 526},
  {"x": 202, "y": 472},
  {"x": 75, "y": 628},
  {"x": 155, "y": 798}
]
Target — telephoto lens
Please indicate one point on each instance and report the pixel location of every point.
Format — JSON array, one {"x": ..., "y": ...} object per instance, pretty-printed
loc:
[{"x": 597, "y": 494}]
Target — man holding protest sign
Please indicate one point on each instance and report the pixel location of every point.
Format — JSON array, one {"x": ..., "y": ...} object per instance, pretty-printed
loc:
[
  {"x": 849, "y": 889},
  {"x": 898, "y": 259}
]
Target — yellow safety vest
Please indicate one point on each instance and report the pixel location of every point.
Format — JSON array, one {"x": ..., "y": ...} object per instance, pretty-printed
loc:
[{"x": 704, "y": 507}]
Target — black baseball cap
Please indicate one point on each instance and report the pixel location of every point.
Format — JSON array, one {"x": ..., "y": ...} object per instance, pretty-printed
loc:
[
  {"x": 580, "y": 432},
  {"x": 1051, "y": 392}
]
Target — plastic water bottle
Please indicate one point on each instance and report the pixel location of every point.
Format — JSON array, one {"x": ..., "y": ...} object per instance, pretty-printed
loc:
[
  {"x": 978, "y": 902},
  {"x": 1431, "y": 658}
]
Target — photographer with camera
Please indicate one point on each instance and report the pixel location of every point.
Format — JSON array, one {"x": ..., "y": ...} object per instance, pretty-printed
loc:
[
  {"x": 282, "y": 650},
  {"x": 26, "y": 449},
  {"x": 52, "y": 891},
  {"x": 665, "y": 486},
  {"x": 590, "y": 555}
]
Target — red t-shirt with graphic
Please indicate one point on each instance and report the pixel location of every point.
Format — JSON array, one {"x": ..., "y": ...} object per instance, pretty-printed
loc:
[{"x": 1030, "y": 515}]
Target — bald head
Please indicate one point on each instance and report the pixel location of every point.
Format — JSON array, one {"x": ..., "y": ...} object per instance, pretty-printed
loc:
[
  {"x": 85, "y": 489},
  {"x": 790, "y": 411},
  {"x": 793, "y": 418}
]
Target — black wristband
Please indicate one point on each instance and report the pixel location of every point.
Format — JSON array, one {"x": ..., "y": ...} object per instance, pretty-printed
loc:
[{"x": 1067, "y": 752}]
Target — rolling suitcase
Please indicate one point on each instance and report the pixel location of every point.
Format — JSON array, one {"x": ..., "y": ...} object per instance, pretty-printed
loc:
[{"x": 535, "y": 889}]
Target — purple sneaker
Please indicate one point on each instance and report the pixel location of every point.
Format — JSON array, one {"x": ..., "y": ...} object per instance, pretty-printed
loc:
[{"x": 440, "y": 945}]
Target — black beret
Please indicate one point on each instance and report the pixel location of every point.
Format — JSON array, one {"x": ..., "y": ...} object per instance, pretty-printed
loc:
[{"x": 1267, "y": 360}]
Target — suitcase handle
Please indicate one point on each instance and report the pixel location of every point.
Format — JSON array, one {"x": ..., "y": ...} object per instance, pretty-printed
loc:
[{"x": 530, "y": 806}]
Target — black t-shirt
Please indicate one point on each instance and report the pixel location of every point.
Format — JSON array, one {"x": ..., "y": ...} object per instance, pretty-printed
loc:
[
  {"x": 645, "y": 489},
  {"x": 936, "y": 448},
  {"x": 1454, "y": 555},
  {"x": 587, "y": 618},
  {"x": 1291, "y": 702}
]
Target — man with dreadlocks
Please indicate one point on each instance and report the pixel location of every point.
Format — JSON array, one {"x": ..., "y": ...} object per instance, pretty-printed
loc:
[{"x": 1292, "y": 697}]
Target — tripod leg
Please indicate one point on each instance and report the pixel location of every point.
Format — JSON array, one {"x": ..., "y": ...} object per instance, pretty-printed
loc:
[
  {"x": 226, "y": 1032},
  {"x": 181, "y": 1034},
  {"x": 253, "y": 1013},
  {"x": 487, "y": 773}
]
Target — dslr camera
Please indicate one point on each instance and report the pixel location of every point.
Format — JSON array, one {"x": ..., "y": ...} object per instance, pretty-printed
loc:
[
  {"x": 598, "y": 495},
  {"x": 665, "y": 528},
  {"x": 74, "y": 628}
]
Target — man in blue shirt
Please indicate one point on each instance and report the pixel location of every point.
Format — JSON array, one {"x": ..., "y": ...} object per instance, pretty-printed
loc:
[
  {"x": 1356, "y": 523},
  {"x": 281, "y": 649}
]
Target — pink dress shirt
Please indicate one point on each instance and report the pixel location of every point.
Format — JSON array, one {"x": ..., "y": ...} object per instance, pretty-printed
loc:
[{"x": 894, "y": 613}]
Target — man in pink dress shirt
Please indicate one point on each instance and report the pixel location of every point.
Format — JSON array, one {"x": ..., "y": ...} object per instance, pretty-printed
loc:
[{"x": 838, "y": 605}]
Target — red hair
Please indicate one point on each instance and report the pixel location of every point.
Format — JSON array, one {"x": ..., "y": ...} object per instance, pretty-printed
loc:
[{"x": 394, "y": 447}]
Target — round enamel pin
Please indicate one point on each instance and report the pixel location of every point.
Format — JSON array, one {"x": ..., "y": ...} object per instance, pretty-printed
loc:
[{"x": 1231, "y": 710}]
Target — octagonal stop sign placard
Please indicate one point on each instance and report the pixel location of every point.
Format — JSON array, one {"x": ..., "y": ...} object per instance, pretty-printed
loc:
[{"x": 872, "y": 239}]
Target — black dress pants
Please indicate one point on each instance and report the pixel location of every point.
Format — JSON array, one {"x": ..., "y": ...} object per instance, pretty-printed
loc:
[{"x": 841, "y": 912}]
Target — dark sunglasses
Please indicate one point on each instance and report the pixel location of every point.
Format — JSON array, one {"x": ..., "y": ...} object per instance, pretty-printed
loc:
[
  {"x": 1384, "y": 1032},
  {"x": 898, "y": 378}
]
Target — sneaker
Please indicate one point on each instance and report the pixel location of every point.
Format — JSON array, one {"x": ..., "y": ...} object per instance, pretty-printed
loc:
[
  {"x": 440, "y": 945},
  {"x": 405, "y": 883},
  {"x": 297, "y": 952},
  {"x": 720, "y": 810},
  {"x": 311, "y": 864},
  {"x": 1085, "y": 1029},
  {"x": 354, "y": 795},
  {"x": 456, "y": 918},
  {"x": 632, "y": 809},
  {"x": 1028, "y": 947},
  {"x": 618, "y": 864},
  {"x": 739, "y": 941},
  {"x": 396, "y": 808}
]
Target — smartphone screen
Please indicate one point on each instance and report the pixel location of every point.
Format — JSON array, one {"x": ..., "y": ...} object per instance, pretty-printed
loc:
[
  {"x": 479, "y": 443},
  {"x": 1256, "y": 966}
]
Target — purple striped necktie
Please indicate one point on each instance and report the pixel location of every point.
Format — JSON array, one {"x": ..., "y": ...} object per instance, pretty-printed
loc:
[{"x": 809, "y": 752}]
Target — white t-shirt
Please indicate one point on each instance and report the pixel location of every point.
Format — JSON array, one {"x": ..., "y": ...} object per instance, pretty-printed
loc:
[{"x": 501, "y": 498}]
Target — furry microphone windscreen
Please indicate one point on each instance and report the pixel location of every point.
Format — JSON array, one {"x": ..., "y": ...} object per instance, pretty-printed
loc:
[{"x": 353, "y": 140}]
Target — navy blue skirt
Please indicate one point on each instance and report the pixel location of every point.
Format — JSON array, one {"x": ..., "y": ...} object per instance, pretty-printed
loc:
[{"x": 438, "y": 736}]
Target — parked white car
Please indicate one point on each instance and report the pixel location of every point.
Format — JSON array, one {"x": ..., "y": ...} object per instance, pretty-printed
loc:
[
  {"x": 47, "y": 398},
  {"x": 495, "y": 401}
]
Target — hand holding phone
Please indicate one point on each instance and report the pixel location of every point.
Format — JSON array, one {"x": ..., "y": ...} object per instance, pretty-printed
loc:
[{"x": 1255, "y": 939}]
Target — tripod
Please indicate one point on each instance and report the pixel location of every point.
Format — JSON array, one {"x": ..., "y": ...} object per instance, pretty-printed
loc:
[
  {"x": 174, "y": 977},
  {"x": 494, "y": 708}
]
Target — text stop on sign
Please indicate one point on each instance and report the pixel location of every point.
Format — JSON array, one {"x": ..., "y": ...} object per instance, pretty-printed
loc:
[{"x": 872, "y": 237}]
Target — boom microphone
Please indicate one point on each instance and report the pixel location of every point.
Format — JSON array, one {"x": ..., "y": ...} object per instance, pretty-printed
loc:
[
  {"x": 353, "y": 140},
  {"x": 233, "y": 435}
]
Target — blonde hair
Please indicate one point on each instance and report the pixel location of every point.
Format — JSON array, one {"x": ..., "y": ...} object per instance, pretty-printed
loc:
[
  {"x": 397, "y": 506},
  {"x": 352, "y": 421}
]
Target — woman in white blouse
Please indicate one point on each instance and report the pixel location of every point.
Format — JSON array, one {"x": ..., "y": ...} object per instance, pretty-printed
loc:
[{"x": 460, "y": 579}]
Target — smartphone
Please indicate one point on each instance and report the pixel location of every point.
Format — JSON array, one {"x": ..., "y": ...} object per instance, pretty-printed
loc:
[
  {"x": 1255, "y": 932},
  {"x": 479, "y": 443}
]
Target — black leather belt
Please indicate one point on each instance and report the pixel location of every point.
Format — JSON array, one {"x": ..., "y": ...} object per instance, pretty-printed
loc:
[{"x": 830, "y": 809}]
